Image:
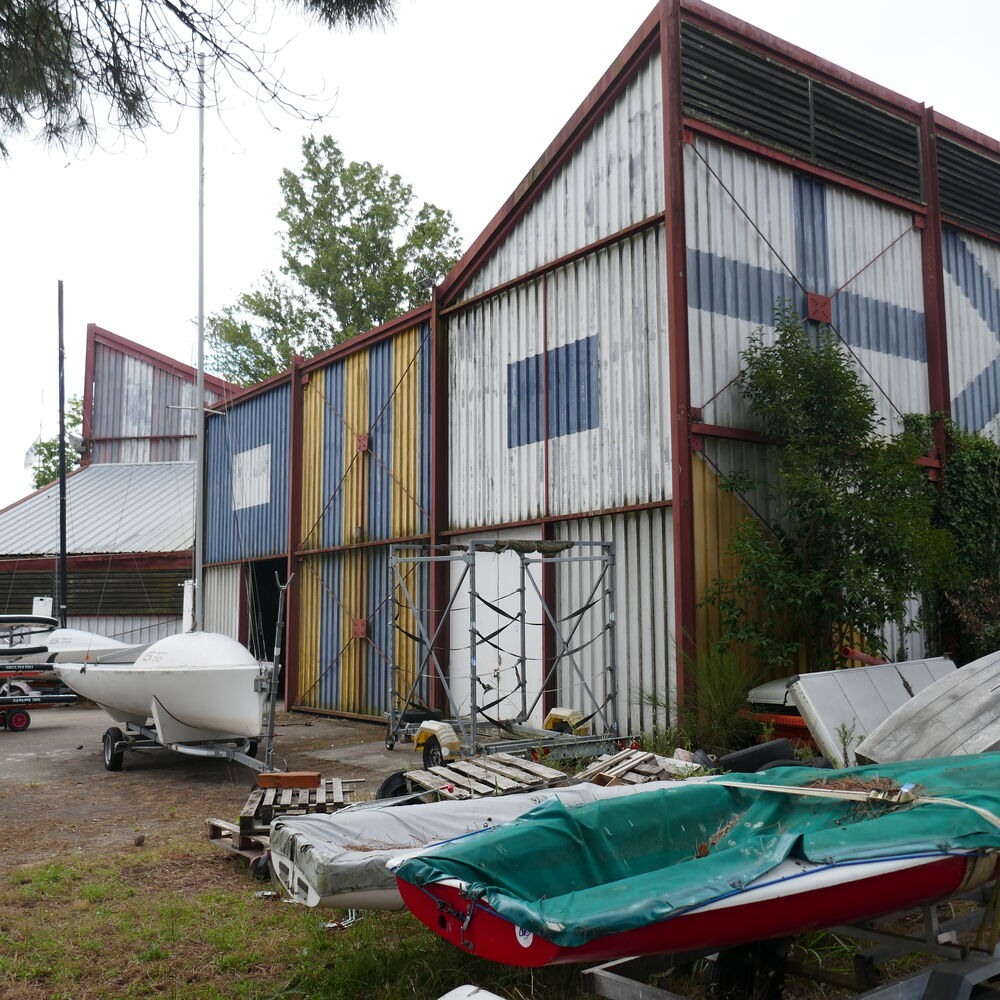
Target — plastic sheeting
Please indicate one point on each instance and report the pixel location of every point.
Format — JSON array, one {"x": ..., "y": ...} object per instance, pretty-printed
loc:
[{"x": 572, "y": 875}]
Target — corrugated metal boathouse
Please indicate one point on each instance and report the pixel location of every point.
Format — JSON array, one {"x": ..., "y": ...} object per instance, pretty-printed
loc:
[{"x": 572, "y": 378}]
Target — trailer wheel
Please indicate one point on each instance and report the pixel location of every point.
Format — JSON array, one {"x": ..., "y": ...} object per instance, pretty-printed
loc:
[
  {"x": 18, "y": 720},
  {"x": 393, "y": 786},
  {"x": 253, "y": 748},
  {"x": 113, "y": 758},
  {"x": 433, "y": 754}
]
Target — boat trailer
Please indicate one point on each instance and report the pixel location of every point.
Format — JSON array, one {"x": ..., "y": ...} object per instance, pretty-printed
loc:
[
  {"x": 117, "y": 742},
  {"x": 758, "y": 970}
]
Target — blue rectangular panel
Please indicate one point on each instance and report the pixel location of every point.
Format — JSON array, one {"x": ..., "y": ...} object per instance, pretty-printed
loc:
[{"x": 573, "y": 397}]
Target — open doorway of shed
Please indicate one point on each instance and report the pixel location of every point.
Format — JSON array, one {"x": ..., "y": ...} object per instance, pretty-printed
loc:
[{"x": 262, "y": 578}]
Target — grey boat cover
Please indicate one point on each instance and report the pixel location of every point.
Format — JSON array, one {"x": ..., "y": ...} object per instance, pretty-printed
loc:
[
  {"x": 346, "y": 852},
  {"x": 957, "y": 714}
]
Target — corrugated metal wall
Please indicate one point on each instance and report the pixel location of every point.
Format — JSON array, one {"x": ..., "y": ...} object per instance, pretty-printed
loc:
[
  {"x": 247, "y": 451},
  {"x": 759, "y": 232},
  {"x": 222, "y": 600},
  {"x": 366, "y": 476},
  {"x": 644, "y": 598},
  {"x": 972, "y": 304},
  {"x": 613, "y": 180},
  {"x": 366, "y": 428},
  {"x": 590, "y": 338},
  {"x": 141, "y": 413},
  {"x": 349, "y": 644},
  {"x": 131, "y": 629}
]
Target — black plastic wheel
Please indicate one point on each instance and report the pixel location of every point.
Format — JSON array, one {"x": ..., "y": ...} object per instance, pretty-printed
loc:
[
  {"x": 390, "y": 743},
  {"x": 433, "y": 754},
  {"x": 113, "y": 757},
  {"x": 260, "y": 868},
  {"x": 393, "y": 786},
  {"x": 18, "y": 720},
  {"x": 253, "y": 748}
]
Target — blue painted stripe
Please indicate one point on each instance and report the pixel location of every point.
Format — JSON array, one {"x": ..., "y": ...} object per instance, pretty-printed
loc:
[
  {"x": 574, "y": 393},
  {"x": 747, "y": 292},
  {"x": 970, "y": 276},
  {"x": 812, "y": 259},
  {"x": 380, "y": 429},
  {"x": 979, "y": 402}
]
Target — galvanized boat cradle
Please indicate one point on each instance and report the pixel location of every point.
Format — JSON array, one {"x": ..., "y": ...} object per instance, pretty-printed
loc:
[
  {"x": 959, "y": 969},
  {"x": 476, "y": 731}
]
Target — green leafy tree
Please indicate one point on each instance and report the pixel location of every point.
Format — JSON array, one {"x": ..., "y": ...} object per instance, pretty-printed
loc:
[
  {"x": 968, "y": 610},
  {"x": 45, "y": 467},
  {"x": 61, "y": 60},
  {"x": 357, "y": 251},
  {"x": 852, "y": 541}
]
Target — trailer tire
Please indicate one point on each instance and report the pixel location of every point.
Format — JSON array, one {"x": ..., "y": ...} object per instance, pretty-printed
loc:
[
  {"x": 252, "y": 748},
  {"x": 393, "y": 786},
  {"x": 433, "y": 753},
  {"x": 113, "y": 758},
  {"x": 18, "y": 720}
]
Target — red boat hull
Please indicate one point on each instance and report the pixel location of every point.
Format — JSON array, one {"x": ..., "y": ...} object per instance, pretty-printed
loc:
[{"x": 445, "y": 911}]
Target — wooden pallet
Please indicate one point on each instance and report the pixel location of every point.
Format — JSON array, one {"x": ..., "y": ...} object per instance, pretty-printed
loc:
[
  {"x": 490, "y": 774},
  {"x": 629, "y": 767},
  {"x": 249, "y": 836}
]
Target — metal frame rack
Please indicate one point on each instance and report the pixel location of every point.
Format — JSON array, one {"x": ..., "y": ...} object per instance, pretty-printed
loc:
[
  {"x": 478, "y": 731},
  {"x": 17, "y": 631}
]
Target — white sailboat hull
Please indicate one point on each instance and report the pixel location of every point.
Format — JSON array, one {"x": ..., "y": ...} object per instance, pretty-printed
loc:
[{"x": 194, "y": 686}]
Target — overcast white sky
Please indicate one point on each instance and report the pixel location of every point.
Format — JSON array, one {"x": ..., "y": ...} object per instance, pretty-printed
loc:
[{"x": 460, "y": 97}]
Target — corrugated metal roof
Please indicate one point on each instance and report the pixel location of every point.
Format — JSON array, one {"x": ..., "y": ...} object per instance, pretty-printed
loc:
[{"x": 109, "y": 508}]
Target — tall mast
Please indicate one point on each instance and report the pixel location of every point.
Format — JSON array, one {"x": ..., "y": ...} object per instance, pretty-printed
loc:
[
  {"x": 61, "y": 592},
  {"x": 199, "y": 488}
]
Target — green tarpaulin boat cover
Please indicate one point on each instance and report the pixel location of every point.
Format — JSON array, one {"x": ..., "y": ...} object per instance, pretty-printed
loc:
[{"x": 573, "y": 874}]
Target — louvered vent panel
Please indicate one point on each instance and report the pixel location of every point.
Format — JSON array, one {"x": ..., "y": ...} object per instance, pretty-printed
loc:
[
  {"x": 150, "y": 592},
  {"x": 970, "y": 186},
  {"x": 860, "y": 140},
  {"x": 736, "y": 89},
  {"x": 742, "y": 91}
]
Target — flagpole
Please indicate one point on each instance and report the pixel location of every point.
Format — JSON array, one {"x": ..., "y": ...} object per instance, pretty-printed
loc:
[
  {"x": 199, "y": 521},
  {"x": 61, "y": 590}
]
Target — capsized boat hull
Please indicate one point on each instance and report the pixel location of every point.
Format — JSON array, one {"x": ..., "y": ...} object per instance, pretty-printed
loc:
[
  {"x": 193, "y": 686},
  {"x": 777, "y": 910}
]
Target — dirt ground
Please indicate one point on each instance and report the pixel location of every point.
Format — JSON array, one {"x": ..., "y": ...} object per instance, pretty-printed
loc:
[{"x": 56, "y": 797}]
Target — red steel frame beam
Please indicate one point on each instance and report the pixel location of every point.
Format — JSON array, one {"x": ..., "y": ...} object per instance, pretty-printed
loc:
[
  {"x": 292, "y": 603},
  {"x": 935, "y": 320},
  {"x": 682, "y": 509},
  {"x": 440, "y": 581}
]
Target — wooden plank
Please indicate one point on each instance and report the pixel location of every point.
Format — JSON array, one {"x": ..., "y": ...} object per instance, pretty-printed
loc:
[
  {"x": 496, "y": 781},
  {"x": 433, "y": 783},
  {"x": 337, "y": 791},
  {"x": 250, "y": 811},
  {"x": 266, "y": 810},
  {"x": 286, "y": 797},
  {"x": 462, "y": 780},
  {"x": 489, "y": 763},
  {"x": 321, "y": 795},
  {"x": 602, "y": 764},
  {"x": 548, "y": 773}
]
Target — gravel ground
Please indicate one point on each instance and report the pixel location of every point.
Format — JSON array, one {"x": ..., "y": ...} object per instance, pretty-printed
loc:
[{"x": 57, "y": 798}]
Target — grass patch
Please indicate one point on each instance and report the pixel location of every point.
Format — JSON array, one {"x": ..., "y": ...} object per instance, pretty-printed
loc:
[{"x": 181, "y": 922}]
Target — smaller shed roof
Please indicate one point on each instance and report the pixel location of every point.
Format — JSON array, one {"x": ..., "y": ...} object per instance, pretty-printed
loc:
[{"x": 109, "y": 509}]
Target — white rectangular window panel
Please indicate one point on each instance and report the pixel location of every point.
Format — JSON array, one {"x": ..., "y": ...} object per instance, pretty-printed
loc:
[{"x": 252, "y": 477}]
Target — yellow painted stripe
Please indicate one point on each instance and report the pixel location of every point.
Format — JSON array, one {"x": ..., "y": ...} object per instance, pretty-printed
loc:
[
  {"x": 406, "y": 434},
  {"x": 356, "y": 465}
]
